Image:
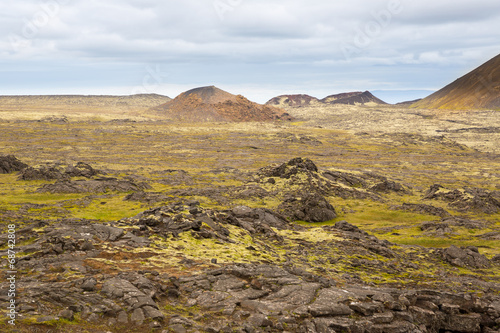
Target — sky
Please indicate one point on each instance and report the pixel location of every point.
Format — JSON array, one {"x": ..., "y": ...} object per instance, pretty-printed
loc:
[{"x": 397, "y": 49}]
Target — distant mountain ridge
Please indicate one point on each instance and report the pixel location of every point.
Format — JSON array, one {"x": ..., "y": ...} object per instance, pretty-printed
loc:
[
  {"x": 478, "y": 89},
  {"x": 214, "y": 104},
  {"x": 81, "y": 102},
  {"x": 349, "y": 98}
]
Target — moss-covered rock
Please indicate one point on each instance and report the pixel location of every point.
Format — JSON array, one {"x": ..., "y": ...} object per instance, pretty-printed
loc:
[{"x": 309, "y": 207}]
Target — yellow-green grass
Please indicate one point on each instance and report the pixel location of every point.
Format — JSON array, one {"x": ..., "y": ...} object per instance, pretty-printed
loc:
[
  {"x": 372, "y": 216},
  {"x": 168, "y": 251},
  {"x": 369, "y": 215},
  {"x": 313, "y": 234},
  {"x": 109, "y": 208}
]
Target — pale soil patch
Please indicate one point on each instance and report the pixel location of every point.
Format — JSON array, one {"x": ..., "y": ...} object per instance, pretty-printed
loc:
[{"x": 391, "y": 119}]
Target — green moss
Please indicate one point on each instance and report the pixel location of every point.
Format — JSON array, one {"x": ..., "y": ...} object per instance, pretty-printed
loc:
[
  {"x": 179, "y": 309},
  {"x": 172, "y": 250},
  {"x": 108, "y": 209},
  {"x": 315, "y": 235}
]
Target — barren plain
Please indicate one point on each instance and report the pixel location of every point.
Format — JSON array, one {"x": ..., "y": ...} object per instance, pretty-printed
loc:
[
  {"x": 346, "y": 219},
  {"x": 478, "y": 129}
]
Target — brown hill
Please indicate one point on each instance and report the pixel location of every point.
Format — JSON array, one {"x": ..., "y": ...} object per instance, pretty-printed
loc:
[
  {"x": 408, "y": 103},
  {"x": 213, "y": 104},
  {"x": 353, "y": 98},
  {"x": 479, "y": 89},
  {"x": 293, "y": 100}
]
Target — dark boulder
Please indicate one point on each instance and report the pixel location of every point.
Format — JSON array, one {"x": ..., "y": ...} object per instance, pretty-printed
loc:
[
  {"x": 292, "y": 167},
  {"x": 464, "y": 222},
  {"x": 422, "y": 209},
  {"x": 388, "y": 186},
  {"x": 257, "y": 220},
  {"x": 465, "y": 257},
  {"x": 10, "y": 163},
  {"x": 167, "y": 220},
  {"x": 346, "y": 226},
  {"x": 463, "y": 323},
  {"x": 41, "y": 173},
  {"x": 436, "y": 228},
  {"x": 81, "y": 169},
  {"x": 346, "y": 179},
  {"x": 309, "y": 207},
  {"x": 51, "y": 172}
]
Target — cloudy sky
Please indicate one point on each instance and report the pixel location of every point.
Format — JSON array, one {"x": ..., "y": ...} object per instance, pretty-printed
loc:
[{"x": 398, "y": 49}]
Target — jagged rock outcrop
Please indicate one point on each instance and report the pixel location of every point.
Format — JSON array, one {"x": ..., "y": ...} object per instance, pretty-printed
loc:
[
  {"x": 422, "y": 209},
  {"x": 41, "y": 173},
  {"x": 81, "y": 169},
  {"x": 265, "y": 297},
  {"x": 282, "y": 299},
  {"x": 309, "y": 207},
  {"x": 387, "y": 186},
  {"x": 465, "y": 257},
  {"x": 274, "y": 296},
  {"x": 301, "y": 175},
  {"x": 55, "y": 172},
  {"x": 207, "y": 223},
  {"x": 97, "y": 185},
  {"x": 292, "y": 167},
  {"x": 466, "y": 199},
  {"x": 283, "y": 181},
  {"x": 10, "y": 164}
]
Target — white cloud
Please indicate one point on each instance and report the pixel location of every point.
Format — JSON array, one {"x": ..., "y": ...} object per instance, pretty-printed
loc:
[{"x": 272, "y": 41}]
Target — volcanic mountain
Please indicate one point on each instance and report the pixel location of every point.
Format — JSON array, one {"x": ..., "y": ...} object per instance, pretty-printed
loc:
[
  {"x": 213, "y": 104},
  {"x": 293, "y": 100},
  {"x": 353, "y": 98},
  {"x": 479, "y": 89}
]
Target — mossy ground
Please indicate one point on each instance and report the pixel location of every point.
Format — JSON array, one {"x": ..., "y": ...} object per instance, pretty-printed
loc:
[
  {"x": 152, "y": 149},
  {"x": 148, "y": 148}
]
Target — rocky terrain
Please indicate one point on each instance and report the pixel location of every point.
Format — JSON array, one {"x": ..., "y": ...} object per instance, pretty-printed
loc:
[
  {"x": 139, "y": 226},
  {"x": 479, "y": 129}
]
